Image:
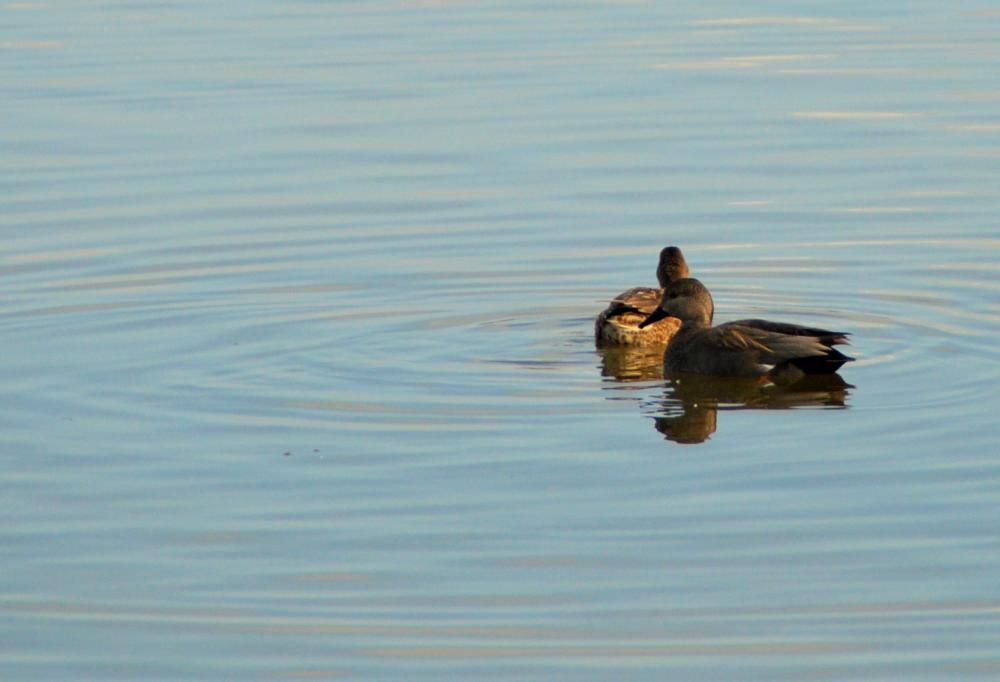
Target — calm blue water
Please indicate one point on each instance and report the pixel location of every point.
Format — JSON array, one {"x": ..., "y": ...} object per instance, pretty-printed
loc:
[{"x": 298, "y": 371}]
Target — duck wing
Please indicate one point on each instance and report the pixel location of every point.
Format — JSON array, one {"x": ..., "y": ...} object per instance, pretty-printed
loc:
[
  {"x": 827, "y": 336},
  {"x": 811, "y": 353},
  {"x": 640, "y": 301},
  {"x": 726, "y": 351},
  {"x": 769, "y": 347},
  {"x": 736, "y": 338}
]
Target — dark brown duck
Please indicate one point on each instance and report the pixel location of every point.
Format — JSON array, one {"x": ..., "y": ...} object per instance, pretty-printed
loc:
[{"x": 778, "y": 350}]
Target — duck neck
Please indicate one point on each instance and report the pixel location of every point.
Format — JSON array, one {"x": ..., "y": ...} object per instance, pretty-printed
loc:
[{"x": 699, "y": 322}]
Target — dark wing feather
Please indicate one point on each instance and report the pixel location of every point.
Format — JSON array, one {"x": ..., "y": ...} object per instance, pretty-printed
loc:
[
  {"x": 640, "y": 300},
  {"x": 812, "y": 354},
  {"x": 735, "y": 338},
  {"x": 775, "y": 347},
  {"x": 827, "y": 336}
]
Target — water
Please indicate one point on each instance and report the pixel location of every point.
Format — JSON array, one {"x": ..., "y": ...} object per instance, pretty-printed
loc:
[{"x": 299, "y": 380}]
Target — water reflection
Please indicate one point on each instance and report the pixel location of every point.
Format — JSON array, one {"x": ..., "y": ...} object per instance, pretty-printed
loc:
[
  {"x": 632, "y": 363},
  {"x": 688, "y": 410},
  {"x": 691, "y": 402}
]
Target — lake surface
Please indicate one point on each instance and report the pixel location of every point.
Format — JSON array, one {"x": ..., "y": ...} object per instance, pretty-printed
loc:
[{"x": 298, "y": 370}]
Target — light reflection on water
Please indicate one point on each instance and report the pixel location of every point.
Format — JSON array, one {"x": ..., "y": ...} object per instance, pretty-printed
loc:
[{"x": 299, "y": 371}]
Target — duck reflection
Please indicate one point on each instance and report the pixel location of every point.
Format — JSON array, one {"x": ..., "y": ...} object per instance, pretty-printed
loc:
[
  {"x": 691, "y": 402},
  {"x": 632, "y": 363}
]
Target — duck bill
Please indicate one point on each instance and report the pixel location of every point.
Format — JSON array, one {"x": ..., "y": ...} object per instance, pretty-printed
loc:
[{"x": 654, "y": 317}]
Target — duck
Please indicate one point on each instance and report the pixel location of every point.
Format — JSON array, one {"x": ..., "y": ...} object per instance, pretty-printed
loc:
[
  {"x": 778, "y": 351},
  {"x": 618, "y": 324}
]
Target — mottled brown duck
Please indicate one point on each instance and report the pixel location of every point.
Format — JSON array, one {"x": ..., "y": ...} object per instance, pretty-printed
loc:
[{"x": 618, "y": 325}]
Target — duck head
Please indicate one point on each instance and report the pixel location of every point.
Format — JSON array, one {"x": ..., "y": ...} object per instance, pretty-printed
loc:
[
  {"x": 686, "y": 299},
  {"x": 671, "y": 267}
]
